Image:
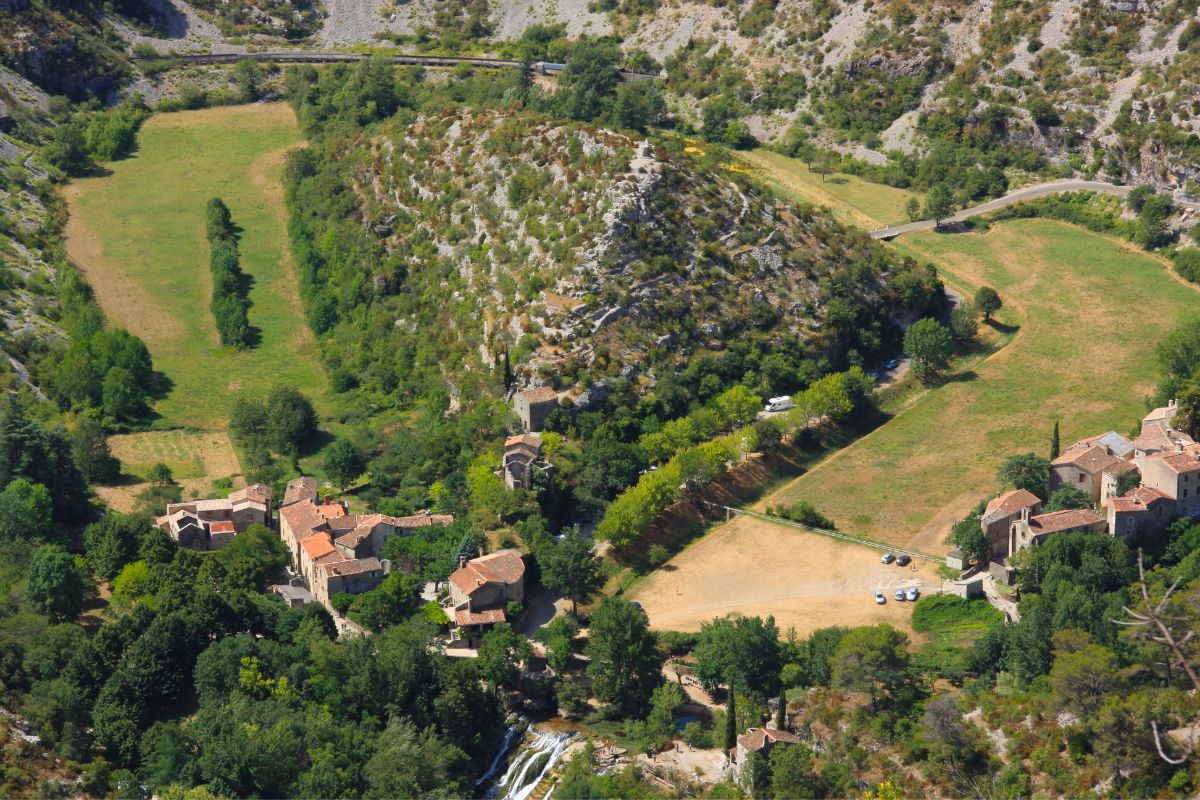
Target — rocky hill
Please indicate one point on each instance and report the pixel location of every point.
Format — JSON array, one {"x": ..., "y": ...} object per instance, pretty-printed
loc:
[
  {"x": 566, "y": 253},
  {"x": 1102, "y": 87}
]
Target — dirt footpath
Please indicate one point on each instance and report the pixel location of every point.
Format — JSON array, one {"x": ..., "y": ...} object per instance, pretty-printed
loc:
[{"x": 806, "y": 580}]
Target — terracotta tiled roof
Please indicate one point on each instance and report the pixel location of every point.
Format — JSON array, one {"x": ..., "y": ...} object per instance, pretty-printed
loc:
[
  {"x": 1113, "y": 442},
  {"x": 317, "y": 545},
  {"x": 1186, "y": 461},
  {"x": 1010, "y": 503},
  {"x": 332, "y": 510},
  {"x": 1137, "y": 499},
  {"x": 1161, "y": 416},
  {"x": 422, "y": 520},
  {"x": 352, "y": 566},
  {"x": 1121, "y": 467},
  {"x": 302, "y": 518},
  {"x": 490, "y": 616},
  {"x": 1092, "y": 460},
  {"x": 254, "y": 493},
  {"x": 540, "y": 394},
  {"x": 528, "y": 440},
  {"x": 504, "y": 567},
  {"x": 221, "y": 526},
  {"x": 1064, "y": 520},
  {"x": 756, "y": 739},
  {"x": 300, "y": 489},
  {"x": 1158, "y": 437}
]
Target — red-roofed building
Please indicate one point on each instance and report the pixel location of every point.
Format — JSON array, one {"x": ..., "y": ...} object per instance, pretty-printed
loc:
[
  {"x": 1033, "y": 530},
  {"x": 335, "y": 551},
  {"x": 1001, "y": 512},
  {"x": 1176, "y": 474},
  {"x": 761, "y": 741},
  {"x": 1081, "y": 468},
  {"x": 1141, "y": 510},
  {"x": 483, "y": 586}
]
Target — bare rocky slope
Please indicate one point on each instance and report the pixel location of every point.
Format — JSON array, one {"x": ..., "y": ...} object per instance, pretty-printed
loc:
[{"x": 572, "y": 253}]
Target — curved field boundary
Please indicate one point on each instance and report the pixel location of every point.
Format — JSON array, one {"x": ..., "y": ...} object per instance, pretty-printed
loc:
[
  {"x": 824, "y": 532},
  {"x": 1020, "y": 195}
]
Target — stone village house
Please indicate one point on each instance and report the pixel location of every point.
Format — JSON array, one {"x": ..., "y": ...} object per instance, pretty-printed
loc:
[
  {"x": 532, "y": 406},
  {"x": 212, "y": 524},
  {"x": 482, "y": 587},
  {"x": 335, "y": 551},
  {"x": 1166, "y": 462}
]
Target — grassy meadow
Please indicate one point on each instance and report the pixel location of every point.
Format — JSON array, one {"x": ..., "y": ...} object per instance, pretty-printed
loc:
[
  {"x": 1088, "y": 311},
  {"x": 137, "y": 233},
  {"x": 852, "y": 200}
]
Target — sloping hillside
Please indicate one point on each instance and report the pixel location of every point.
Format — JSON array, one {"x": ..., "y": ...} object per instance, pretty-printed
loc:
[{"x": 565, "y": 253}]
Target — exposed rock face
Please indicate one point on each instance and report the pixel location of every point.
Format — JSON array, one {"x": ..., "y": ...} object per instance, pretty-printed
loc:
[{"x": 572, "y": 247}]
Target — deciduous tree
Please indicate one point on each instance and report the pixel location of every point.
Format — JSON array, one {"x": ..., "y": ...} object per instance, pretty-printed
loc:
[
  {"x": 56, "y": 583},
  {"x": 625, "y": 662},
  {"x": 929, "y": 345}
]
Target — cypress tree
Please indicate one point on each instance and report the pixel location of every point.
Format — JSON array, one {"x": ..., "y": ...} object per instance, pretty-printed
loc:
[
  {"x": 731, "y": 723},
  {"x": 1054, "y": 444},
  {"x": 781, "y": 712}
]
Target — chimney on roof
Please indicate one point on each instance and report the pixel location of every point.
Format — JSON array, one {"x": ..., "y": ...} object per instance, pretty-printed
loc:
[{"x": 1178, "y": 445}]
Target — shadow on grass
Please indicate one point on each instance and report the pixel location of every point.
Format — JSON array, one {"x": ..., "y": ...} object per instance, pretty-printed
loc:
[{"x": 1000, "y": 327}]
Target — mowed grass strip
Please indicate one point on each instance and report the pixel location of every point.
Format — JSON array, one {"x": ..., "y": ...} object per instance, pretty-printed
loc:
[
  {"x": 1091, "y": 312},
  {"x": 852, "y": 200},
  {"x": 138, "y": 236}
]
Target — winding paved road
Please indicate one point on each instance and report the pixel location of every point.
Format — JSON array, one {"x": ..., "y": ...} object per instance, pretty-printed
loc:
[
  {"x": 325, "y": 57},
  {"x": 1027, "y": 193}
]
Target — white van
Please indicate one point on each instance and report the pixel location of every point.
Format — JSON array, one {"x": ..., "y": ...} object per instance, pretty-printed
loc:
[{"x": 780, "y": 403}]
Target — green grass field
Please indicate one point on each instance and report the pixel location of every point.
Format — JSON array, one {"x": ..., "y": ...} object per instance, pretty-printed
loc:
[
  {"x": 1089, "y": 312},
  {"x": 851, "y": 199},
  {"x": 138, "y": 235}
]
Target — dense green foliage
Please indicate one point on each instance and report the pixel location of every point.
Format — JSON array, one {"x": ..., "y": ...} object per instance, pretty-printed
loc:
[{"x": 229, "y": 301}]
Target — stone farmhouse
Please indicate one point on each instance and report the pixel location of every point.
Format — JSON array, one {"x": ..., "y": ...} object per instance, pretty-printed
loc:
[
  {"x": 482, "y": 587},
  {"x": 532, "y": 406},
  {"x": 212, "y": 524},
  {"x": 761, "y": 741},
  {"x": 335, "y": 551},
  {"x": 1165, "y": 463},
  {"x": 522, "y": 458},
  {"x": 1001, "y": 513}
]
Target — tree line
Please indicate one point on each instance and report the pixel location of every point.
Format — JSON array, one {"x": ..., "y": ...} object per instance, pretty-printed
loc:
[{"x": 230, "y": 285}]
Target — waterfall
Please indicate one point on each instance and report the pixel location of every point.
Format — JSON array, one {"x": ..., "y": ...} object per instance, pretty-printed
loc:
[
  {"x": 509, "y": 736},
  {"x": 530, "y": 765}
]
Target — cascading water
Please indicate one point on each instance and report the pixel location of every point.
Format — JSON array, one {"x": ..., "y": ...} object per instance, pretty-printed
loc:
[
  {"x": 510, "y": 736},
  {"x": 530, "y": 765}
]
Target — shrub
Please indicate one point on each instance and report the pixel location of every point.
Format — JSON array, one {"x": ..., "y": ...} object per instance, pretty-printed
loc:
[{"x": 1187, "y": 263}]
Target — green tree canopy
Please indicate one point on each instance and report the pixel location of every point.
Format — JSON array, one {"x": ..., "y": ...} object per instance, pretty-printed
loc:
[
  {"x": 988, "y": 301},
  {"x": 501, "y": 656},
  {"x": 742, "y": 654},
  {"x": 1028, "y": 471},
  {"x": 871, "y": 659},
  {"x": 625, "y": 662},
  {"x": 929, "y": 345},
  {"x": 55, "y": 583},
  {"x": 343, "y": 463},
  {"x": 569, "y": 566}
]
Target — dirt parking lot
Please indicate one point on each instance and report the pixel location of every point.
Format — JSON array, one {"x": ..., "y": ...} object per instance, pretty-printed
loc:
[{"x": 806, "y": 580}]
